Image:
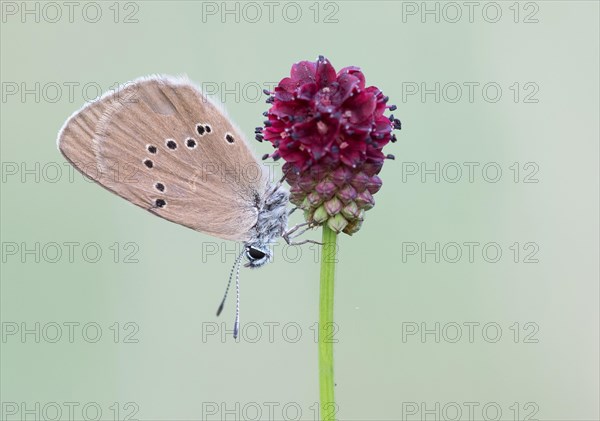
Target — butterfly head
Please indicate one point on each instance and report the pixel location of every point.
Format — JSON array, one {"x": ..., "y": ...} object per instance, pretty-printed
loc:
[{"x": 257, "y": 255}]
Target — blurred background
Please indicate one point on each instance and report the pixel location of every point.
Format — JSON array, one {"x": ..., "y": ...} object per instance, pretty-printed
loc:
[{"x": 471, "y": 292}]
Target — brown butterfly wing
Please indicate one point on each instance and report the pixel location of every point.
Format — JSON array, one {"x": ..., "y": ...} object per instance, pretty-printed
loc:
[{"x": 148, "y": 148}]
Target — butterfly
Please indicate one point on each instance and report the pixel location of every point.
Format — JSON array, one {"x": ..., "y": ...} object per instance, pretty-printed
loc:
[{"x": 164, "y": 146}]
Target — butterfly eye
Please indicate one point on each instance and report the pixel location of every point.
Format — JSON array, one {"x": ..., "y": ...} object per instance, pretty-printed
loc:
[{"x": 255, "y": 254}]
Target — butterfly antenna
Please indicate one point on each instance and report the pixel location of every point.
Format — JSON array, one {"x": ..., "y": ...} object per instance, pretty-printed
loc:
[
  {"x": 236, "y": 264},
  {"x": 236, "y": 325}
]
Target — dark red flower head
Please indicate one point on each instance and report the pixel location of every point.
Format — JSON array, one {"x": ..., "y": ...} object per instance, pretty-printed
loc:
[{"x": 330, "y": 129}]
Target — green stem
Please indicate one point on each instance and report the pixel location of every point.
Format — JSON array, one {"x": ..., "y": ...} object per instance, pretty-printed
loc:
[{"x": 326, "y": 326}]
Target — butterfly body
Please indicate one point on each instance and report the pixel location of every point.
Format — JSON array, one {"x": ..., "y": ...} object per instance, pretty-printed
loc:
[{"x": 270, "y": 225}]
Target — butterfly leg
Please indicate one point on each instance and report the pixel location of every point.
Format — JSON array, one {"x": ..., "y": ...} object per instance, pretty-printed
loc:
[
  {"x": 287, "y": 236},
  {"x": 277, "y": 185},
  {"x": 291, "y": 243},
  {"x": 298, "y": 234},
  {"x": 293, "y": 210},
  {"x": 295, "y": 228}
]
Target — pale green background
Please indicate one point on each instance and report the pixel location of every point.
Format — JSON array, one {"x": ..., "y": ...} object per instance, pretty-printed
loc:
[{"x": 171, "y": 292}]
